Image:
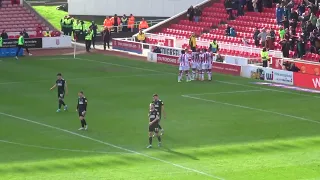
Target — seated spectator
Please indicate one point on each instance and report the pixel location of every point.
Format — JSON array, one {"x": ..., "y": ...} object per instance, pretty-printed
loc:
[
  {"x": 157, "y": 50},
  {"x": 233, "y": 32},
  {"x": 143, "y": 24},
  {"x": 190, "y": 13},
  {"x": 218, "y": 57},
  {"x": 228, "y": 31},
  {"x": 4, "y": 35}
]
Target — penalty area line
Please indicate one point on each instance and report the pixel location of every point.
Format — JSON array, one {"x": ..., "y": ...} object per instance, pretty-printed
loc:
[
  {"x": 227, "y": 92},
  {"x": 60, "y": 149},
  {"x": 252, "y": 108},
  {"x": 114, "y": 146}
]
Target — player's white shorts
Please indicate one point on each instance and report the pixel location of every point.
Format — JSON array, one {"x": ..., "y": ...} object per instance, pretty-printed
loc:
[
  {"x": 186, "y": 68},
  {"x": 209, "y": 66},
  {"x": 194, "y": 65},
  {"x": 204, "y": 66},
  {"x": 181, "y": 68},
  {"x": 199, "y": 66}
]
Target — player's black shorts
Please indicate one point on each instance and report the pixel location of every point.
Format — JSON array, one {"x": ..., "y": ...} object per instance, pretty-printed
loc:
[
  {"x": 154, "y": 127},
  {"x": 60, "y": 95},
  {"x": 80, "y": 111}
]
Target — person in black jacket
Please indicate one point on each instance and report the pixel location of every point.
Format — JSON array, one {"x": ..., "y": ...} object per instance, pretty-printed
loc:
[
  {"x": 190, "y": 13},
  {"x": 94, "y": 28},
  {"x": 285, "y": 48},
  {"x": 4, "y": 34},
  {"x": 228, "y": 6},
  {"x": 256, "y": 37},
  {"x": 197, "y": 14},
  {"x": 106, "y": 37}
]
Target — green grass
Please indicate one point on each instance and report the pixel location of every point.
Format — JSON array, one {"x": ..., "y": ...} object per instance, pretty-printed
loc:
[
  {"x": 209, "y": 134},
  {"x": 54, "y": 16}
]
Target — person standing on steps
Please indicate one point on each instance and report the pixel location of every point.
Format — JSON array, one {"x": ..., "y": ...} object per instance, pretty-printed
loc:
[{"x": 21, "y": 44}]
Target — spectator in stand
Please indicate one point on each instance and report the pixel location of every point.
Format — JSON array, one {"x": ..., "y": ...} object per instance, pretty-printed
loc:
[
  {"x": 250, "y": 7},
  {"x": 287, "y": 35},
  {"x": 267, "y": 3},
  {"x": 190, "y": 13},
  {"x": 318, "y": 24},
  {"x": 131, "y": 22},
  {"x": 263, "y": 37},
  {"x": 309, "y": 27},
  {"x": 46, "y": 33},
  {"x": 228, "y": 31},
  {"x": 94, "y": 29},
  {"x": 269, "y": 43},
  {"x": 116, "y": 22},
  {"x": 294, "y": 19},
  {"x": 197, "y": 14},
  {"x": 143, "y": 24},
  {"x": 193, "y": 42},
  {"x": 313, "y": 20},
  {"x": 285, "y": 48},
  {"x": 279, "y": 14},
  {"x": 285, "y": 23},
  {"x": 254, "y": 4},
  {"x": 141, "y": 37},
  {"x": 233, "y": 32},
  {"x": 259, "y": 6},
  {"x": 218, "y": 57},
  {"x": 39, "y": 31},
  {"x": 282, "y": 33},
  {"x": 242, "y": 3},
  {"x": 4, "y": 35},
  {"x": 106, "y": 37},
  {"x": 312, "y": 39},
  {"x": 228, "y": 7},
  {"x": 124, "y": 23},
  {"x": 256, "y": 37},
  {"x": 301, "y": 8},
  {"x": 272, "y": 35},
  {"x": 301, "y": 47}
]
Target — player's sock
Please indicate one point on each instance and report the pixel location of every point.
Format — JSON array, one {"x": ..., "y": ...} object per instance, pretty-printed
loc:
[
  {"x": 159, "y": 127},
  {"x": 85, "y": 122},
  {"x": 193, "y": 75},
  {"x": 82, "y": 123},
  {"x": 179, "y": 77},
  {"x": 150, "y": 140},
  {"x": 60, "y": 104},
  {"x": 159, "y": 139},
  {"x": 209, "y": 76}
]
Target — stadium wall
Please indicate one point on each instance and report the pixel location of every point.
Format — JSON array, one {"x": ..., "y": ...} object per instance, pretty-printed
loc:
[{"x": 150, "y": 8}]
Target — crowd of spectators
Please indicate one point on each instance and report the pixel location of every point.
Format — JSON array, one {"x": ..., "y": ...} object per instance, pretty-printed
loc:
[{"x": 194, "y": 14}]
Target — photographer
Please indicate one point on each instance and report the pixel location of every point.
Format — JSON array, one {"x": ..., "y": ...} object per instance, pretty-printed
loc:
[{"x": 290, "y": 66}]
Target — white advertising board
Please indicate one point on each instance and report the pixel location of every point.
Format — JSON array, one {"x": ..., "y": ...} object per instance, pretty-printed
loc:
[
  {"x": 236, "y": 60},
  {"x": 152, "y": 57},
  {"x": 56, "y": 42}
]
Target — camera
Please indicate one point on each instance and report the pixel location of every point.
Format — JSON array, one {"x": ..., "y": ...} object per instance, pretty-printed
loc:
[{"x": 290, "y": 66}]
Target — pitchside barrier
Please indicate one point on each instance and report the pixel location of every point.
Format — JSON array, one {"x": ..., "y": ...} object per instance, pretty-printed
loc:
[
  {"x": 9, "y": 46},
  {"x": 274, "y": 75}
]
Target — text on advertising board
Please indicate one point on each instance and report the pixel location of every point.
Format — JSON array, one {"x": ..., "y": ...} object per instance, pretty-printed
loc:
[
  {"x": 278, "y": 76},
  {"x": 29, "y": 42},
  {"x": 127, "y": 46},
  {"x": 162, "y": 58},
  {"x": 226, "y": 68},
  {"x": 170, "y": 51},
  {"x": 307, "y": 80}
]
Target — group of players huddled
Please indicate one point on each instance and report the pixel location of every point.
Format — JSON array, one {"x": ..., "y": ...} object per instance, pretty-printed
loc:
[{"x": 200, "y": 63}]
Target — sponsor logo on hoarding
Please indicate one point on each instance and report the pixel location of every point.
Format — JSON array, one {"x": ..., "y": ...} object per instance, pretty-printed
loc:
[
  {"x": 162, "y": 58},
  {"x": 127, "y": 46},
  {"x": 226, "y": 68},
  {"x": 277, "y": 76},
  {"x": 306, "y": 80},
  {"x": 170, "y": 51}
]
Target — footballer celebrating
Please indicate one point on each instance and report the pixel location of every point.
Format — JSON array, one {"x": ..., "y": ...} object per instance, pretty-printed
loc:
[
  {"x": 159, "y": 107},
  {"x": 82, "y": 109},
  {"x": 62, "y": 91},
  {"x": 153, "y": 124}
]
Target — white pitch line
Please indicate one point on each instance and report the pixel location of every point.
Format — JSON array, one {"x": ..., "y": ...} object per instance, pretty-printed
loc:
[
  {"x": 82, "y": 78},
  {"x": 60, "y": 149},
  {"x": 112, "y": 145},
  {"x": 252, "y": 108},
  {"x": 227, "y": 92}
]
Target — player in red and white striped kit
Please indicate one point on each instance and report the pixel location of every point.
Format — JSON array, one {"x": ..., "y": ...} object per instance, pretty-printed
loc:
[
  {"x": 184, "y": 66},
  {"x": 201, "y": 66},
  {"x": 209, "y": 59},
  {"x": 194, "y": 64}
]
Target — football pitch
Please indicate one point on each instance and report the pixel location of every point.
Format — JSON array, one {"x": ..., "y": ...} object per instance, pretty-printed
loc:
[{"x": 227, "y": 129}]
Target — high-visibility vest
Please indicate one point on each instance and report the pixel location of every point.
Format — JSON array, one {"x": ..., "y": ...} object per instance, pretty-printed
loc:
[
  {"x": 192, "y": 41},
  {"x": 124, "y": 19},
  {"x": 282, "y": 33},
  {"x": 89, "y": 36},
  {"x": 141, "y": 37},
  {"x": 1, "y": 41},
  {"x": 77, "y": 26},
  {"x": 46, "y": 34},
  {"x": 264, "y": 55},
  {"x": 214, "y": 46},
  {"x": 21, "y": 41},
  {"x": 143, "y": 25},
  {"x": 131, "y": 22}
]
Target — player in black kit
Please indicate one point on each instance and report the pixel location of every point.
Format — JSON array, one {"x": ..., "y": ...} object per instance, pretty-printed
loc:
[
  {"x": 82, "y": 109},
  {"x": 153, "y": 125},
  {"x": 62, "y": 91},
  {"x": 159, "y": 106}
]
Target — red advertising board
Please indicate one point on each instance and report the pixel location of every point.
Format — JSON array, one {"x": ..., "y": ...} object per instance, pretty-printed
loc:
[
  {"x": 305, "y": 68},
  {"x": 129, "y": 46},
  {"x": 306, "y": 80},
  {"x": 226, "y": 68},
  {"x": 166, "y": 59}
]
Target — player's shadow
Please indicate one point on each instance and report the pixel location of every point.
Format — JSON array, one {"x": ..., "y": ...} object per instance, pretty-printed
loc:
[{"x": 168, "y": 150}]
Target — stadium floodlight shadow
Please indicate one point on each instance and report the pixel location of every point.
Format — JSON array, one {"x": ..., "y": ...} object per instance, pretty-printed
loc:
[{"x": 168, "y": 150}]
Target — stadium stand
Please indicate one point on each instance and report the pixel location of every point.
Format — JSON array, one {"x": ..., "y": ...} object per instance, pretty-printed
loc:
[
  {"x": 15, "y": 17},
  {"x": 214, "y": 22}
]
